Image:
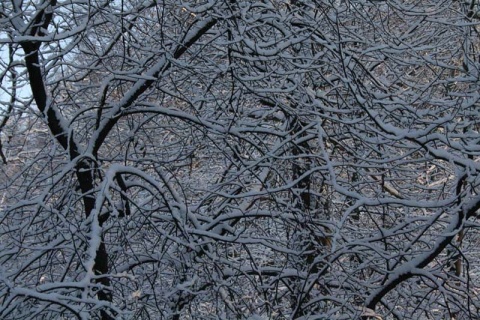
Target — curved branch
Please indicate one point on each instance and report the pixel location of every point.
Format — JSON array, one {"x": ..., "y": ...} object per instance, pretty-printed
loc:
[{"x": 404, "y": 271}]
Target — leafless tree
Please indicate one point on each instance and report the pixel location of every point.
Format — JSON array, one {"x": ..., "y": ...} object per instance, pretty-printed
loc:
[{"x": 239, "y": 159}]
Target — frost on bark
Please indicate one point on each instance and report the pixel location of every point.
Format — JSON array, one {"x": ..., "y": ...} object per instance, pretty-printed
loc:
[{"x": 239, "y": 159}]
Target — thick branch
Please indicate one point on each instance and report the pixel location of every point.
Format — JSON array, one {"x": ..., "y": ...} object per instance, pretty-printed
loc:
[
  {"x": 149, "y": 78},
  {"x": 54, "y": 119},
  {"x": 404, "y": 272}
]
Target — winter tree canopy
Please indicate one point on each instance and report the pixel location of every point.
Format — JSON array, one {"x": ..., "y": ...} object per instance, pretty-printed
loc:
[{"x": 167, "y": 159}]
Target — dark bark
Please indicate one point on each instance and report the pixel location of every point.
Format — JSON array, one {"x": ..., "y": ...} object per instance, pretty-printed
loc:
[
  {"x": 145, "y": 84},
  {"x": 84, "y": 171},
  {"x": 397, "y": 279},
  {"x": 65, "y": 136},
  {"x": 101, "y": 268}
]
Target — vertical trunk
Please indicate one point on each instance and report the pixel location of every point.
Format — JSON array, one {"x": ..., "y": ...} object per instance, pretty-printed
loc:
[
  {"x": 84, "y": 172},
  {"x": 101, "y": 268},
  {"x": 309, "y": 241}
]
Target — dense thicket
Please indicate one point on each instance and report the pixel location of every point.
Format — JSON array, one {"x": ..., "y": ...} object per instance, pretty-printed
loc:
[{"x": 239, "y": 159}]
